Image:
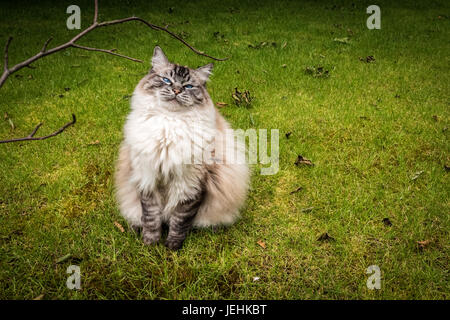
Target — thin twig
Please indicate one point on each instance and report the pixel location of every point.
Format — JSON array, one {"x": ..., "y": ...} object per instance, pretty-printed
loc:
[
  {"x": 95, "y": 11},
  {"x": 71, "y": 43},
  {"x": 106, "y": 51},
  {"x": 5, "y": 66},
  {"x": 44, "y": 48},
  {"x": 35, "y": 130},
  {"x": 159, "y": 28},
  {"x": 31, "y": 137}
]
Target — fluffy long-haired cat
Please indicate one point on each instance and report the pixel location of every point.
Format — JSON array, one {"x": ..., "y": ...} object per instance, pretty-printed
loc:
[{"x": 159, "y": 179}]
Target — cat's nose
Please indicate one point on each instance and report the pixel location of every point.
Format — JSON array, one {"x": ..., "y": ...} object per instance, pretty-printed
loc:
[{"x": 176, "y": 91}]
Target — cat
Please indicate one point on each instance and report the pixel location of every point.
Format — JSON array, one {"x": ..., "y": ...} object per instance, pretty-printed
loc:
[{"x": 156, "y": 180}]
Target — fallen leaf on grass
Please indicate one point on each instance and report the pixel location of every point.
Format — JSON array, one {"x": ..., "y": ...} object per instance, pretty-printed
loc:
[
  {"x": 387, "y": 222},
  {"x": 344, "y": 40},
  {"x": 261, "y": 243},
  {"x": 416, "y": 175},
  {"x": 367, "y": 59},
  {"x": 423, "y": 244},
  {"x": 39, "y": 297},
  {"x": 11, "y": 124},
  {"x": 217, "y": 34},
  {"x": 255, "y": 279},
  {"x": 262, "y": 45},
  {"x": 317, "y": 72},
  {"x": 242, "y": 98},
  {"x": 119, "y": 226},
  {"x": 296, "y": 190},
  {"x": 221, "y": 104},
  {"x": 93, "y": 143},
  {"x": 325, "y": 237},
  {"x": 300, "y": 160},
  {"x": 63, "y": 258}
]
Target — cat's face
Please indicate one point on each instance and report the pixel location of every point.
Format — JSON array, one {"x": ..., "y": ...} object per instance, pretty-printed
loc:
[{"x": 176, "y": 85}]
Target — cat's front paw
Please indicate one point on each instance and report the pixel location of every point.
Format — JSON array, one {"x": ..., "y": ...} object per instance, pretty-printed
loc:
[
  {"x": 150, "y": 239},
  {"x": 173, "y": 244}
]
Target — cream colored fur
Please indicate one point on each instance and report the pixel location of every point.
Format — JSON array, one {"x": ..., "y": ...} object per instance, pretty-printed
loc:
[{"x": 152, "y": 154}]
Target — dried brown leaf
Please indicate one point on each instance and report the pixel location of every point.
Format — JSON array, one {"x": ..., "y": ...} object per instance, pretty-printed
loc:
[
  {"x": 261, "y": 243},
  {"x": 387, "y": 222},
  {"x": 300, "y": 160},
  {"x": 296, "y": 190},
  {"x": 423, "y": 244},
  {"x": 119, "y": 226},
  {"x": 94, "y": 143},
  {"x": 325, "y": 237},
  {"x": 11, "y": 124},
  {"x": 39, "y": 297}
]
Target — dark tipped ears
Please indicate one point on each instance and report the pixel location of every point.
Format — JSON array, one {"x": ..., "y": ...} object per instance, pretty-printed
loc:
[
  {"x": 205, "y": 71},
  {"x": 159, "y": 59}
]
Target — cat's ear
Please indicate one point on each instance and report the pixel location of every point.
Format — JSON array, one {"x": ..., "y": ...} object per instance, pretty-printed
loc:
[
  {"x": 159, "y": 59},
  {"x": 204, "y": 72}
]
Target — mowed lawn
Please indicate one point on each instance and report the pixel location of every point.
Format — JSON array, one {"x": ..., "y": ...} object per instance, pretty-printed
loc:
[{"x": 376, "y": 130}]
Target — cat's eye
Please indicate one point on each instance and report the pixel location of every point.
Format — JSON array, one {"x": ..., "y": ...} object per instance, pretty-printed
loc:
[
  {"x": 189, "y": 86},
  {"x": 167, "y": 81}
]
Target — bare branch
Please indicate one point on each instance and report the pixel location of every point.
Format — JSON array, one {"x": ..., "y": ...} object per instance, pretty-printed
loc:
[
  {"x": 71, "y": 43},
  {"x": 7, "y": 71},
  {"x": 35, "y": 130},
  {"x": 31, "y": 137},
  {"x": 159, "y": 28},
  {"x": 95, "y": 12},
  {"x": 44, "y": 48},
  {"x": 106, "y": 51},
  {"x": 5, "y": 66}
]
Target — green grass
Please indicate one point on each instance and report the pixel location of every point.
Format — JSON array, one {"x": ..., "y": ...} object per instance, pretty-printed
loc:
[{"x": 368, "y": 128}]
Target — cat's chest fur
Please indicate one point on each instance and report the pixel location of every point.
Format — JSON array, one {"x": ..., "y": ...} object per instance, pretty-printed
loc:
[{"x": 163, "y": 146}]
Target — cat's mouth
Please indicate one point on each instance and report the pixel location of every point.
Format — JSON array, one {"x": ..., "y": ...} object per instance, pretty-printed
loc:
[{"x": 178, "y": 100}]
